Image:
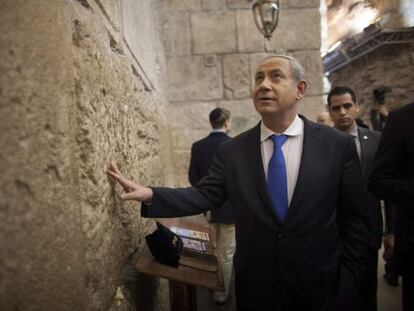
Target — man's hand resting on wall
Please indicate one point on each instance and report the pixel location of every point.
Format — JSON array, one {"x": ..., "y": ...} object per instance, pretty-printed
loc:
[{"x": 132, "y": 190}]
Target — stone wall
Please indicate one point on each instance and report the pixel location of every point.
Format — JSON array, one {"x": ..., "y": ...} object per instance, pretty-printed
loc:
[
  {"x": 212, "y": 50},
  {"x": 78, "y": 88},
  {"x": 390, "y": 66}
]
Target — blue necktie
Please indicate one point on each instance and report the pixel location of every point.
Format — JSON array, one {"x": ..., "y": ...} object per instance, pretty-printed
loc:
[{"x": 277, "y": 179}]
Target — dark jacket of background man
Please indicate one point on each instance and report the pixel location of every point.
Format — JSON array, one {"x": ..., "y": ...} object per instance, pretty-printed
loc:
[
  {"x": 202, "y": 153},
  {"x": 344, "y": 110},
  {"x": 393, "y": 179}
]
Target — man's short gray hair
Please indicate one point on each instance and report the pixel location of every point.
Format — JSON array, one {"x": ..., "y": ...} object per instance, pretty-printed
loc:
[{"x": 298, "y": 73}]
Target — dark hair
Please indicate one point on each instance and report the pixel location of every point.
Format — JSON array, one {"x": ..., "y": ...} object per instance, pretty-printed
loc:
[
  {"x": 218, "y": 117},
  {"x": 341, "y": 90}
]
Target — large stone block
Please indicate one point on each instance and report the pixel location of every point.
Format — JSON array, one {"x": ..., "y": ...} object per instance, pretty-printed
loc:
[
  {"x": 213, "y": 4},
  {"x": 192, "y": 115},
  {"x": 236, "y": 75},
  {"x": 111, "y": 11},
  {"x": 181, "y": 163},
  {"x": 191, "y": 78},
  {"x": 213, "y": 32},
  {"x": 177, "y": 34},
  {"x": 182, "y": 5},
  {"x": 311, "y": 106},
  {"x": 243, "y": 115},
  {"x": 300, "y": 4},
  {"x": 42, "y": 261},
  {"x": 239, "y": 4},
  {"x": 312, "y": 63},
  {"x": 181, "y": 181},
  {"x": 297, "y": 30},
  {"x": 142, "y": 36},
  {"x": 249, "y": 39},
  {"x": 184, "y": 137}
]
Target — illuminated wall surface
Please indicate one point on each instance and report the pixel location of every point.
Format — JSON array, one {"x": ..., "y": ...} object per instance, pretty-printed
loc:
[{"x": 386, "y": 66}]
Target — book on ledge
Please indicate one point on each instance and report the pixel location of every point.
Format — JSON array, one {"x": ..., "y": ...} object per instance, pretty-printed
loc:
[
  {"x": 192, "y": 234},
  {"x": 197, "y": 250}
]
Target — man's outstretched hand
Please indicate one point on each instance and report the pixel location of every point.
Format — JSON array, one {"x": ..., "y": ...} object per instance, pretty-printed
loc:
[{"x": 132, "y": 190}]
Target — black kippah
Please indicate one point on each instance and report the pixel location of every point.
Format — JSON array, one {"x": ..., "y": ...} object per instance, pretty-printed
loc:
[{"x": 165, "y": 245}]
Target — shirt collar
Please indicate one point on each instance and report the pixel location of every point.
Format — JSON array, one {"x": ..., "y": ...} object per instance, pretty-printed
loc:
[
  {"x": 218, "y": 131},
  {"x": 294, "y": 129},
  {"x": 354, "y": 131}
]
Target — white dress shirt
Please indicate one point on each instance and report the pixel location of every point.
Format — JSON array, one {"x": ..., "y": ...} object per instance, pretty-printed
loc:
[{"x": 292, "y": 151}]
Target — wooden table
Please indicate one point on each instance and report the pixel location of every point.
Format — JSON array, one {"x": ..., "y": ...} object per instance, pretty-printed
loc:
[{"x": 184, "y": 279}]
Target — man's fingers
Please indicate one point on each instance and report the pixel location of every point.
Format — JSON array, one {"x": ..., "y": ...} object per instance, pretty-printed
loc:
[
  {"x": 114, "y": 175},
  {"x": 127, "y": 184},
  {"x": 115, "y": 168},
  {"x": 129, "y": 196}
]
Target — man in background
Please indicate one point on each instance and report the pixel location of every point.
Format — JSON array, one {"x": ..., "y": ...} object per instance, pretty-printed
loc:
[
  {"x": 344, "y": 109},
  {"x": 393, "y": 179},
  {"x": 221, "y": 219},
  {"x": 325, "y": 119}
]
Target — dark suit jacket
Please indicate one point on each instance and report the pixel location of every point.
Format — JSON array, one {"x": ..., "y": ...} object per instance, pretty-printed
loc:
[
  {"x": 202, "y": 153},
  {"x": 393, "y": 175},
  {"x": 313, "y": 259},
  {"x": 369, "y": 143}
]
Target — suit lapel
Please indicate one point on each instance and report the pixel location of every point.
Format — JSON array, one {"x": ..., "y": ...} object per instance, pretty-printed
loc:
[
  {"x": 255, "y": 164},
  {"x": 312, "y": 142}
]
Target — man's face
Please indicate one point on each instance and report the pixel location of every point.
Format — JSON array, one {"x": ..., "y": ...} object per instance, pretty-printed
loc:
[
  {"x": 275, "y": 91},
  {"x": 343, "y": 111}
]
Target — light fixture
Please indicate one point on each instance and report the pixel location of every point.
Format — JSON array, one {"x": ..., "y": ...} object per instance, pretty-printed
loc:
[{"x": 266, "y": 16}]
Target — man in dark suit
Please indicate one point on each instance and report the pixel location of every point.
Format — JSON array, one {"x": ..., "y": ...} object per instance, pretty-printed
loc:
[
  {"x": 221, "y": 219},
  {"x": 344, "y": 109},
  {"x": 297, "y": 199},
  {"x": 393, "y": 179}
]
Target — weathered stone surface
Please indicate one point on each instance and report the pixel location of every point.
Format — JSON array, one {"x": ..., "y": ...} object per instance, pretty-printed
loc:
[
  {"x": 192, "y": 115},
  {"x": 41, "y": 253},
  {"x": 236, "y": 75},
  {"x": 190, "y": 79},
  {"x": 213, "y": 4},
  {"x": 144, "y": 32},
  {"x": 239, "y": 4},
  {"x": 181, "y": 160},
  {"x": 386, "y": 66},
  {"x": 184, "y": 138},
  {"x": 111, "y": 11},
  {"x": 112, "y": 105},
  {"x": 69, "y": 104},
  {"x": 297, "y": 30},
  {"x": 178, "y": 27},
  {"x": 213, "y": 32},
  {"x": 249, "y": 39},
  {"x": 243, "y": 115},
  {"x": 311, "y": 106},
  {"x": 312, "y": 64},
  {"x": 182, "y": 5},
  {"x": 300, "y": 4}
]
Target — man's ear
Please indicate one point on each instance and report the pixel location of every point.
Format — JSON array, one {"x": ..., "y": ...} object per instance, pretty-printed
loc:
[
  {"x": 302, "y": 85},
  {"x": 357, "y": 106}
]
